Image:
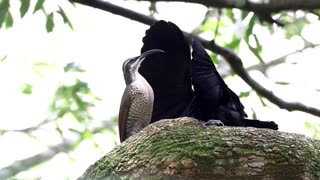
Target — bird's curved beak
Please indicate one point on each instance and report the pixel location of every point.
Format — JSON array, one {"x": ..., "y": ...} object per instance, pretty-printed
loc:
[
  {"x": 148, "y": 53},
  {"x": 151, "y": 51}
]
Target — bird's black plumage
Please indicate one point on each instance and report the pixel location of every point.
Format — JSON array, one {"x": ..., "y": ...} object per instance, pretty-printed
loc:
[
  {"x": 167, "y": 73},
  {"x": 172, "y": 75},
  {"x": 216, "y": 100}
]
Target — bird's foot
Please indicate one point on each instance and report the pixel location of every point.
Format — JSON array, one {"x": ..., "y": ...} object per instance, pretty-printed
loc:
[{"x": 212, "y": 122}]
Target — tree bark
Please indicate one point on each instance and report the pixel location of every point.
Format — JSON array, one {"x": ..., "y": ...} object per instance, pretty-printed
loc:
[{"x": 184, "y": 149}]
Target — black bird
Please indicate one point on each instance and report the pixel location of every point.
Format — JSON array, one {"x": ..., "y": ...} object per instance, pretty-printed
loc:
[{"x": 185, "y": 87}]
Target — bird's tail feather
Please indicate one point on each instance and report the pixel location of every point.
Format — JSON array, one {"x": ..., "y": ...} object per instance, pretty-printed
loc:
[{"x": 260, "y": 124}]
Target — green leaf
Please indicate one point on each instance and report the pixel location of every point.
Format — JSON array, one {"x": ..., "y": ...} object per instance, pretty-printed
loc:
[
  {"x": 2, "y": 18},
  {"x": 153, "y": 8},
  {"x": 214, "y": 58},
  {"x": 262, "y": 101},
  {"x": 230, "y": 15},
  {"x": 41, "y": 64},
  {"x": 50, "y": 22},
  {"x": 25, "y": 4},
  {"x": 244, "y": 14},
  {"x": 211, "y": 25},
  {"x": 308, "y": 126},
  {"x": 244, "y": 94},
  {"x": 252, "y": 22},
  {"x": 38, "y": 6},
  {"x": 73, "y": 67},
  {"x": 282, "y": 83},
  {"x": 234, "y": 44},
  {"x": 255, "y": 52},
  {"x": 65, "y": 17},
  {"x": 296, "y": 27},
  {"x": 254, "y": 114},
  {"x": 4, "y": 9},
  {"x": 27, "y": 89},
  {"x": 79, "y": 117},
  {"x": 9, "y": 20},
  {"x": 3, "y": 58},
  {"x": 87, "y": 135},
  {"x": 76, "y": 144},
  {"x": 258, "y": 45}
]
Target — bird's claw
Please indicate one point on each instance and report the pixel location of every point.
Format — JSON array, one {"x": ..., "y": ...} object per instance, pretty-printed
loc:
[{"x": 213, "y": 122}]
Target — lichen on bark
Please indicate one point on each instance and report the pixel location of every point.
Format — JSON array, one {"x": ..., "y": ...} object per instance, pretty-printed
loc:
[{"x": 184, "y": 149}]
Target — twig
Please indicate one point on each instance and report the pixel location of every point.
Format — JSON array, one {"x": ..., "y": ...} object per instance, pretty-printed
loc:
[
  {"x": 234, "y": 61},
  {"x": 27, "y": 163},
  {"x": 280, "y": 60},
  {"x": 218, "y": 24},
  {"x": 29, "y": 130},
  {"x": 64, "y": 146}
]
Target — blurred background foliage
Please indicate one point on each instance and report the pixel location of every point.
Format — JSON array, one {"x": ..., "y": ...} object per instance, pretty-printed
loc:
[{"x": 70, "y": 131}]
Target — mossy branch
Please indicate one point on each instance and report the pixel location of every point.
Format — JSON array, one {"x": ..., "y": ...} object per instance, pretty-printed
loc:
[{"x": 184, "y": 148}]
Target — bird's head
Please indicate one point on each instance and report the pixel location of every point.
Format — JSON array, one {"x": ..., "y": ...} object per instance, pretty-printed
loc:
[{"x": 131, "y": 66}]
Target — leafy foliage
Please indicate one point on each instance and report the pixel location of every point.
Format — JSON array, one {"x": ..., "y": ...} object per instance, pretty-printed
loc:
[
  {"x": 9, "y": 20},
  {"x": 38, "y": 6},
  {"x": 294, "y": 24},
  {"x": 153, "y": 8},
  {"x": 244, "y": 94},
  {"x": 64, "y": 17},
  {"x": 25, "y": 4},
  {"x": 6, "y": 17},
  {"x": 27, "y": 88},
  {"x": 75, "y": 98},
  {"x": 4, "y": 12},
  {"x": 314, "y": 128},
  {"x": 50, "y": 22}
]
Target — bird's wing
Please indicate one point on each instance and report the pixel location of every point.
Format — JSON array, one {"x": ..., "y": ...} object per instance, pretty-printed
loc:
[
  {"x": 168, "y": 73},
  {"x": 124, "y": 112},
  {"x": 210, "y": 87}
]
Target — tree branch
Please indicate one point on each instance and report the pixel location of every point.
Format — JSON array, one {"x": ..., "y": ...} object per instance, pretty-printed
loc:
[
  {"x": 236, "y": 64},
  {"x": 231, "y": 57},
  {"x": 256, "y": 6},
  {"x": 280, "y": 60},
  {"x": 27, "y": 163},
  {"x": 26, "y": 130},
  {"x": 118, "y": 10},
  {"x": 64, "y": 146}
]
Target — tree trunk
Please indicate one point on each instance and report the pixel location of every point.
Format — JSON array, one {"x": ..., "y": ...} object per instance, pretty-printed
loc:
[{"x": 184, "y": 149}]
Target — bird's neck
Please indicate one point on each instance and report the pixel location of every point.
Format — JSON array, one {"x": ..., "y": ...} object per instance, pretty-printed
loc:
[{"x": 131, "y": 76}]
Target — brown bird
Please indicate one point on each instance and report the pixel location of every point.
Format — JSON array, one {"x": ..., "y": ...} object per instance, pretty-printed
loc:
[{"x": 137, "y": 100}]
